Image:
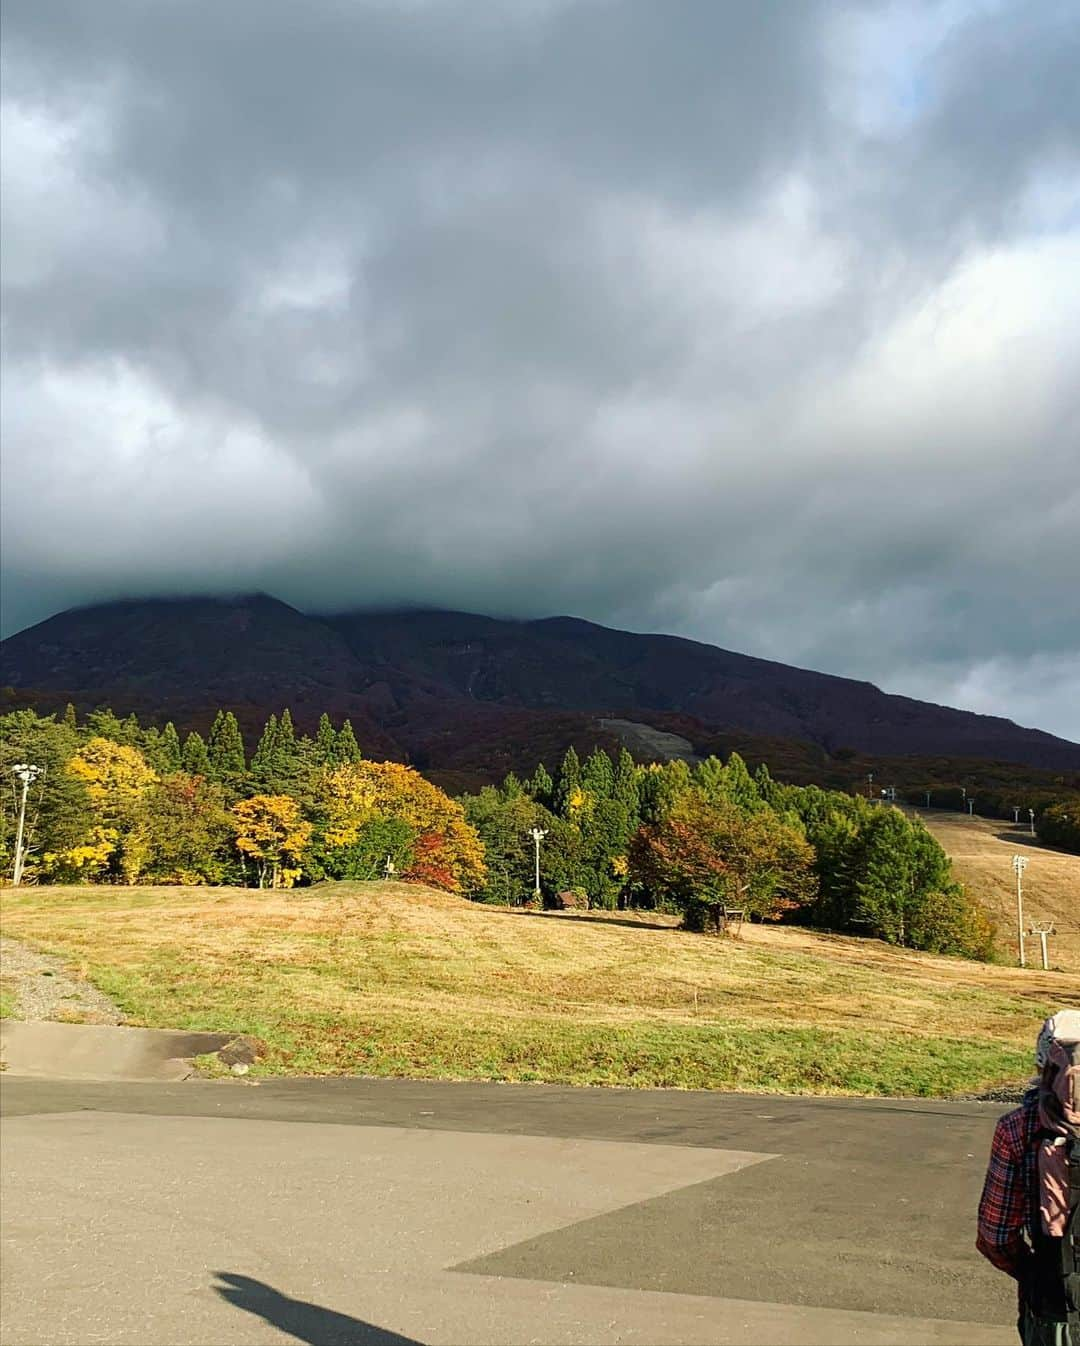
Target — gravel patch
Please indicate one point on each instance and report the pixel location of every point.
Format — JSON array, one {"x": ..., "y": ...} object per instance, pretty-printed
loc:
[{"x": 45, "y": 988}]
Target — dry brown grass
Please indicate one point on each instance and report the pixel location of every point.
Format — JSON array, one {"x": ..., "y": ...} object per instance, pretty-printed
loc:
[
  {"x": 393, "y": 978},
  {"x": 981, "y": 850}
]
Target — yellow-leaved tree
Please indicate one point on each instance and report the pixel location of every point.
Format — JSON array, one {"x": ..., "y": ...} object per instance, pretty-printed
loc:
[
  {"x": 270, "y": 831},
  {"x": 445, "y": 850},
  {"x": 117, "y": 780}
]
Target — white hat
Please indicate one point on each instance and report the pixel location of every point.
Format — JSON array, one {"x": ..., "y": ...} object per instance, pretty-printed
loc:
[{"x": 1064, "y": 1026}]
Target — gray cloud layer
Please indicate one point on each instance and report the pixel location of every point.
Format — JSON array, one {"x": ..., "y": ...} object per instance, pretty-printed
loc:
[{"x": 756, "y": 323}]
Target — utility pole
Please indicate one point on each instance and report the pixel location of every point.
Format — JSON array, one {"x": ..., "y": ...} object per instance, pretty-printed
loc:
[
  {"x": 27, "y": 774},
  {"x": 1016, "y": 814},
  {"x": 1020, "y": 864},
  {"x": 869, "y": 785},
  {"x": 971, "y": 806},
  {"x": 1031, "y": 820},
  {"x": 1042, "y": 931},
  {"x": 927, "y": 793},
  {"x": 537, "y": 834}
]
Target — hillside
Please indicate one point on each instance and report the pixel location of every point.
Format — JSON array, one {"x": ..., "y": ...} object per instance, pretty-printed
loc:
[
  {"x": 981, "y": 851},
  {"x": 472, "y": 695},
  {"x": 393, "y": 979}
]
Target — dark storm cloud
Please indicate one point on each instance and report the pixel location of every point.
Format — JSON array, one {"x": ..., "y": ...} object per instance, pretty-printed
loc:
[{"x": 760, "y": 323}]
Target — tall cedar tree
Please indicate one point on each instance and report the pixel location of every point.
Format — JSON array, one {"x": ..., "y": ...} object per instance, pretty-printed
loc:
[
  {"x": 194, "y": 759},
  {"x": 541, "y": 787},
  {"x": 225, "y": 748},
  {"x": 169, "y": 751},
  {"x": 569, "y": 781},
  {"x": 325, "y": 749},
  {"x": 263, "y": 761},
  {"x": 348, "y": 750}
]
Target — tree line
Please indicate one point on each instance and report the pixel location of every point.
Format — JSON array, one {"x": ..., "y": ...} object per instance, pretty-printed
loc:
[
  {"x": 684, "y": 838},
  {"x": 119, "y": 802}
]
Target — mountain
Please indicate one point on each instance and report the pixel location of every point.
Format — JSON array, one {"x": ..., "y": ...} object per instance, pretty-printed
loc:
[{"x": 460, "y": 692}]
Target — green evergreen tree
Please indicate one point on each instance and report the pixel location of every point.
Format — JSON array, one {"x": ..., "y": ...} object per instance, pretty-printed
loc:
[
  {"x": 511, "y": 786},
  {"x": 325, "y": 749},
  {"x": 348, "y": 750},
  {"x": 286, "y": 743},
  {"x": 598, "y": 775},
  {"x": 194, "y": 758},
  {"x": 102, "y": 723},
  {"x": 71, "y": 720},
  {"x": 264, "y": 760},
  {"x": 569, "y": 781},
  {"x": 226, "y": 750},
  {"x": 626, "y": 788},
  {"x": 764, "y": 784},
  {"x": 169, "y": 750},
  {"x": 541, "y": 787}
]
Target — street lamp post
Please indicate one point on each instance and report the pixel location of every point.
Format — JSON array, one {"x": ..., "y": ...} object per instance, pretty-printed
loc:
[
  {"x": 537, "y": 834},
  {"x": 1031, "y": 820},
  {"x": 27, "y": 774},
  {"x": 1020, "y": 864}
]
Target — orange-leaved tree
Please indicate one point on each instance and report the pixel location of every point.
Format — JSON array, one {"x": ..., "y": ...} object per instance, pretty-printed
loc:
[
  {"x": 712, "y": 852},
  {"x": 270, "y": 831},
  {"x": 446, "y": 851}
]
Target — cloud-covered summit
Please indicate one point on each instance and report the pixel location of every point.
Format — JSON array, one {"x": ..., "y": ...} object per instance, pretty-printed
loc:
[{"x": 754, "y": 323}]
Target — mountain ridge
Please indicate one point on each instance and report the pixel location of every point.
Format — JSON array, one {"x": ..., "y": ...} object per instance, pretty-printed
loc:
[{"x": 417, "y": 678}]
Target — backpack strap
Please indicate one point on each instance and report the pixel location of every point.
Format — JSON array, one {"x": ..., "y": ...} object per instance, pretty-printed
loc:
[{"x": 1070, "y": 1243}]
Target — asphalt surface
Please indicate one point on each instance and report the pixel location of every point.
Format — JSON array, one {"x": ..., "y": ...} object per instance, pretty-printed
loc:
[{"x": 356, "y": 1211}]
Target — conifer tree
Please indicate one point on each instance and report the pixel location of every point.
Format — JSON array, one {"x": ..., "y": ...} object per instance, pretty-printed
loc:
[
  {"x": 541, "y": 787},
  {"x": 226, "y": 749},
  {"x": 511, "y": 786},
  {"x": 71, "y": 720},
  {"x": 626, "y": 782},
  {"x": 765, "y": 785},
  {"x": 598, "y": 775},
  {"x": 263, "y": 762},
  {"x": 287, "y": 762},
  {"x": 286, "y": 744},
  {"x": 194, "y": 758},
  {"x": 348, "y": 750},
  {"x": 325, "y": 748},
  {"x": 569, "y": 781},
  {"x": 169, "y": 750}
]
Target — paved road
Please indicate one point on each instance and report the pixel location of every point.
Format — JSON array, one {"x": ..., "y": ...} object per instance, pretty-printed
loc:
[{"x": 380, "y": 1212}]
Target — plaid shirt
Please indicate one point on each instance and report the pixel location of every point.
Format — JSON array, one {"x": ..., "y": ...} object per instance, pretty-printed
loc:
[{"x": 1005, "y": 1217}]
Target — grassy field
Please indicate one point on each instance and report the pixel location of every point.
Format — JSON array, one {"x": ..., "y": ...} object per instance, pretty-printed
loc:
[
  {"x": 981, "y": 850},
  {"x": 391, "y": 979}
]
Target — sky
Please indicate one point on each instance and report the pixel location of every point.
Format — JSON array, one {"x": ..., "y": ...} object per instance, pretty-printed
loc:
[{"x": 754, "y": 323}]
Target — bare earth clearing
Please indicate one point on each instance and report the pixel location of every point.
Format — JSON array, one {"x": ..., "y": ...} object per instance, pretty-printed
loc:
[
  {"x": 981, "y": 850},
  {"x": 395, "y": 979}
]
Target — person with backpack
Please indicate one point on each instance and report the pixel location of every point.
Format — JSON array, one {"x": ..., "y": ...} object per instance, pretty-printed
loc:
[{"x": 1029, "y": 1225}]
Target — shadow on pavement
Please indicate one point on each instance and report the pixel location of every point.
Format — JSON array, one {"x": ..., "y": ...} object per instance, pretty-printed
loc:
[{"x": 306, "y": 1322}]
